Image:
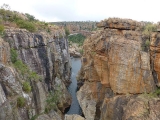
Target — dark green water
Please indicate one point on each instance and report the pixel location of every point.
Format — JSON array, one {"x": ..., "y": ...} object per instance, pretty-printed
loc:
[{"x": 75, "y": 108}]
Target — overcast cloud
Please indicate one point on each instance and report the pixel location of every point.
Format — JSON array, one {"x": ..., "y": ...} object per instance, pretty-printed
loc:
[{"x": 82, "y": 10}]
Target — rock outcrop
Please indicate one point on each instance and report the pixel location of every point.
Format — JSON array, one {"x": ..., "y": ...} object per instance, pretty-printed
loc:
[
  {"x": 46, "y": 56},
  {"x": 74, "y": 50},
  {"x": 114, "y": 58},
  {"x": 155, "y": 56},
  {"x": 73, "y": 117}
]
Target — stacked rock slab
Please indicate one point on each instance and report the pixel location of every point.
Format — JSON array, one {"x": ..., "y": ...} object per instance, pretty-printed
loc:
[
  {"x": 47, "y": 55},
  {"x": 114, "y": 58}
]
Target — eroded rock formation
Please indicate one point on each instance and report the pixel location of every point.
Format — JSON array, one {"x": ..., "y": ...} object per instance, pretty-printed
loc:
[
  {"x": 48, "y": 57},
  {"x": 114, "y": 65}
]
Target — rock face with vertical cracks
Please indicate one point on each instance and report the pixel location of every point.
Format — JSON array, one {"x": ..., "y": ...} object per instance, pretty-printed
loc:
[
  {"x": 114, "y": 58},
  {"x": 155, "y": 56},
  {"x": 45, "y": 54}
]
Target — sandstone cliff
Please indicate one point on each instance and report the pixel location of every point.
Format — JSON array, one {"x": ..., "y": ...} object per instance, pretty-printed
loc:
[
  {"x": 45, "y": 65},
  {"x": 116, "y": 70}
]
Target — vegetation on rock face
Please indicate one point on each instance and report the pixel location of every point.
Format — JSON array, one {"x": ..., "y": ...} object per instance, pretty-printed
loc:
[
  {"x": 14, "y": 55},
  {"x": 77, "y": 38},
  {"x": 21, "y": 102},
  {"x": 66, "y": 31},
  {"x": 52, "y": 100},
  {"x": 148, "y": 28},
  {"x": 25, "y": 21},
  {"x": 26, "y": 87},
  {"x": 23, "y": 68}
]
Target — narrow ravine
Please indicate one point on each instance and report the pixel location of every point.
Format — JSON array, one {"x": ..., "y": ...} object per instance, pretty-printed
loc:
[{"x": 75, "y": 108}]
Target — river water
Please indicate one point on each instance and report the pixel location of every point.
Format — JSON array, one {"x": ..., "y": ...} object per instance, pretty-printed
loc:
[{"x": 75, "y": 108}]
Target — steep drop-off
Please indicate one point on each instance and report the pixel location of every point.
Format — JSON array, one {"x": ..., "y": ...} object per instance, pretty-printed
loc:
[
  {"x": 118, "y": 73},
  {"x": 47, "y": 59}
]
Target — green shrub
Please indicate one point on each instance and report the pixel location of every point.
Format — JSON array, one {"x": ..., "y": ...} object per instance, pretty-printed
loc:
[
  {"x": 78, "y": 38},
  {"x": 21, "y": 102},
  {"x": 26, "y": 87},
  {"x": 14, "y": 55},
  {"x": 1, "y": 29},
  {"x": 21, "y": 67},
  {"x": 30, "y": 17},
  {"x": 147, "y": 43},
  {"x": 148, "y": 28},
  {"x": 67, "y": 31},
  {"x": 52, "y": 100},
  {"x": 26, "y": 25},
  {"x": 33, "y": 75}
]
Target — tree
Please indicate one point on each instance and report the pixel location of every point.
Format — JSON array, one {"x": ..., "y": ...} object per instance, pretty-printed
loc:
[
  {"x": 5, "y": 6},
  {"x": 30, "y": 17}
]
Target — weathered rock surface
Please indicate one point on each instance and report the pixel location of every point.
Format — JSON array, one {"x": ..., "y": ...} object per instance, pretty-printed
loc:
[
  {"x": 141, "y": 107},
  {"x": 46, "y": 55},
  {"x": 114, "y": 58},
  {"x": 73, "y": 117},
  {"x": 74, "y": 50},
  {"x": 122, "y": 24},
  {"x": 90, "y": 95},
  {"x": 155, "y": 56}
]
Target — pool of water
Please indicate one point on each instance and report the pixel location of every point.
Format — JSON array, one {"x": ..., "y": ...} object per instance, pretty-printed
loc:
[{"x": 75, "y": 108}]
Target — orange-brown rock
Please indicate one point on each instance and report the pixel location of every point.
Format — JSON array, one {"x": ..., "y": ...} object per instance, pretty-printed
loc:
[
  {"x": 116, "y": 59},
  {"x": 155, "y": 55},
  {"x": 123, "y": 24},
  {"x": 130, "y": 107},
  {"x": 4, "y": 52},
  {"x": 90, "y": 96}
]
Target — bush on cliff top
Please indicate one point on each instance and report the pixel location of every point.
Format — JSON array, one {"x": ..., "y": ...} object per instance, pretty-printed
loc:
[
  {"x": 26, "y": 25},
  {"x": 148, "y": 28},
  {"x": 20, "y": 20}
]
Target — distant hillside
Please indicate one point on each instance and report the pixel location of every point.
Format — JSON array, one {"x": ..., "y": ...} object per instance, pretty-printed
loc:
[{"x": 83, "y": 27}]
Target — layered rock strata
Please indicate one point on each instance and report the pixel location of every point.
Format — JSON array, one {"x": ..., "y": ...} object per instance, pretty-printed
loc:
[
  {"x": 115, "y": 59},
  {"x": 48, "y": 57}
]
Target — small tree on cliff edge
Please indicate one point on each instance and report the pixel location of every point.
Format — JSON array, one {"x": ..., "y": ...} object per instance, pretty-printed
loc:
[{"x": 66, "y": 31}]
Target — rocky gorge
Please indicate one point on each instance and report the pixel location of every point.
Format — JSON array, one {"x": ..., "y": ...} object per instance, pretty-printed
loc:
[{"x": 118, "y": 79}]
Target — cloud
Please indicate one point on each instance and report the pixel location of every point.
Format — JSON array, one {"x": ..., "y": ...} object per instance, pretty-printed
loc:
[{"x": 81, "y": 10}]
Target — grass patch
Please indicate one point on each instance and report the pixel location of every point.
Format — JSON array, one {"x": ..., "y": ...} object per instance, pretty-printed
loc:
[
  {"x": 52, "y": 100},
  {"x": 21, "y": 102},
  {"x": 26, "y": 87}
]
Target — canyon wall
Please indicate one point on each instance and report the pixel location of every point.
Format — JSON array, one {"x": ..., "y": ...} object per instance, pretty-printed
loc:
[
  {"x": 119, "y": 72},
  {"x": 40, "y": 59}
]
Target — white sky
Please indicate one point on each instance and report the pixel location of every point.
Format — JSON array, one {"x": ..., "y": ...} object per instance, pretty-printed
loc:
[{"x": 82, "y": 10}]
